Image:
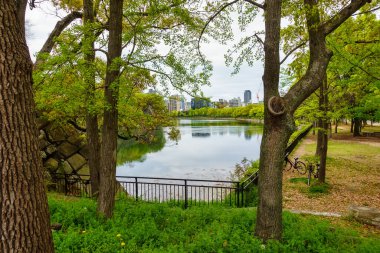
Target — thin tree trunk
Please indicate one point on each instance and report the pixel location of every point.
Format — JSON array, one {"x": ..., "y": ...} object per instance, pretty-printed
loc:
[
  {"x": 330, "y": 128},
  {"x": 357, "y": 123},
  {"x": 319, "y": 134},
  {"x": 336, "y": 126},
  {"x": 24, "y": 215},
  {"x": 322, "y": 152},
  {"x": 107, "y": 187},
  {"x": 352, "y": 125},
  {"x": 91, "y": 116}
]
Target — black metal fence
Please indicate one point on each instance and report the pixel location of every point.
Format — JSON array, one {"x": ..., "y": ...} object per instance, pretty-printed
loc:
[{"x": 184, "y": 192}]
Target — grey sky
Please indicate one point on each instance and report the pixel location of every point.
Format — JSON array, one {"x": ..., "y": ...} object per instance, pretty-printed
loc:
[{"x": 42, "y": 20}]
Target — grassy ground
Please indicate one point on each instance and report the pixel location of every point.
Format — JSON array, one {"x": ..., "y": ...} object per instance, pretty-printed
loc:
[
  {"x": 143, "y": 227},
  {"x": 353, "y": 175}
]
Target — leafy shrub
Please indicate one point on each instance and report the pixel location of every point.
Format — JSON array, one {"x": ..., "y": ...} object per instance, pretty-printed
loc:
[{"x": 147, "y": 227}]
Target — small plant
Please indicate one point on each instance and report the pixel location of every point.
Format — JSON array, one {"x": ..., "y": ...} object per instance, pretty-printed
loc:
[
  {"x": 298, "y": 180},
  {"x": 319, "y": 188},
  {"x": 244, "y": 169}
]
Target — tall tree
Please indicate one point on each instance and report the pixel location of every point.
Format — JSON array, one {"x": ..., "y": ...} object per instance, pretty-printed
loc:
[
  {"x": 92, "y": 127},
  {"x": 323, "y": 122},
  {"x": 278, "y": 114},
  {"x": 315, "y": 21},
  {"x": 24, "y": 215},
  {"x": 107, "y": 186}
]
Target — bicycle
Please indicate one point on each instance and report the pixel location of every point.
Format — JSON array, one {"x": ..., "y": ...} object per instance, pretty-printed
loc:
[{"x": 296, "y": 165}]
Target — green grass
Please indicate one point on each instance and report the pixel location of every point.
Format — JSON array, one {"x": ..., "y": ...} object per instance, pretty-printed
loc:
[
  {"x": 144, "y": 227},
  {"x": 343, "y": 148}
]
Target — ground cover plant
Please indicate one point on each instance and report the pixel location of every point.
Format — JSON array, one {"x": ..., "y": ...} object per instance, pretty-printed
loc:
[{"x": 145, "y": 227}]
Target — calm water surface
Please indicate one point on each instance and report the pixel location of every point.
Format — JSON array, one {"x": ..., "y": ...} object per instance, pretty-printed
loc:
[{"x": 207, "y": 149}]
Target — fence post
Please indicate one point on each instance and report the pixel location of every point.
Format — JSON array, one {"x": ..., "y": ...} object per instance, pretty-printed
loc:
[
  {"x": 186, "y": 200},
  {"x": 136, "y": 189},
  {"x": 65, "y": 184},
  {"x": 242, "y": 194},
  {"x": 238, "y": 194}
]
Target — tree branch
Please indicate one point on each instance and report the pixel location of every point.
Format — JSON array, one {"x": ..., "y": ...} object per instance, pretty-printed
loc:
[
  {"x": 58, "y": 29},
  {"x": 342, "y": 15},
  {"x": 364, "y": 12},
  {"x": 292, "y": 51},
  {"x": 355, "y": 65},
  {"x": 261, "y": 6},
  {"x": 259, "y": 39},
  {"x": 223, "y": 7},
  {"x": 76, "y": 126}
]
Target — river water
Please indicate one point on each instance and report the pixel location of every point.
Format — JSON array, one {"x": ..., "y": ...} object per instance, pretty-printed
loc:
[{"x": 207, "y": 149}]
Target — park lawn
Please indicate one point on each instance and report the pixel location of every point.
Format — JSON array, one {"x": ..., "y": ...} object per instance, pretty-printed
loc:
[
  {"x": 352, "y": 175},
  {"x": 146, "y": 227}
]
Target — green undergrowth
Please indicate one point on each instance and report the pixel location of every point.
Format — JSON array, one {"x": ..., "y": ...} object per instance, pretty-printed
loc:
[{"x": 145, "y": 227}]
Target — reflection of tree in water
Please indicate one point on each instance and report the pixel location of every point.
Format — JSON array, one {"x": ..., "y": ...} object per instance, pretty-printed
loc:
[
  {"x": 132, "y": 150},
  {"x": 207, "y": 131}
]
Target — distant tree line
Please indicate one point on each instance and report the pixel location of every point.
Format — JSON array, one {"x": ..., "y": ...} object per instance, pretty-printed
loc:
[{"x": 254, "y": 111}]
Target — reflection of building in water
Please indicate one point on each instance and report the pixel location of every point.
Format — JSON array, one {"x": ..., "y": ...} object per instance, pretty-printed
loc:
[{"x": 201, "y": 134}]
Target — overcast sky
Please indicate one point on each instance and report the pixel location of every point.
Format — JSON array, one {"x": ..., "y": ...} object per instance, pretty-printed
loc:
[{"x": 223, "y": 86}]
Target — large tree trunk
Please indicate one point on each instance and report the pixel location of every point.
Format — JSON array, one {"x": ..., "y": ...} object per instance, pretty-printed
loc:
[
  {"x": 107, "y": 187},
  {"x": 276, "y": 134},
  {"x": 91, "y": 116},
  {"x": 24, "y": 215}
]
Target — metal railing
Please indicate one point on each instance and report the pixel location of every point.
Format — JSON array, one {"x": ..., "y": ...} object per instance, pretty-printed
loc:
[{"x": 184, "y": 192}]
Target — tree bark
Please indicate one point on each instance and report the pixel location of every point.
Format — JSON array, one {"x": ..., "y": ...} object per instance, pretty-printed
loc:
[
  {"x": 107, "y": 187},
  {"x": 24, "y": 215},
  {"x": 336, "y": 126},
  {"x": 92, "y": 127}
]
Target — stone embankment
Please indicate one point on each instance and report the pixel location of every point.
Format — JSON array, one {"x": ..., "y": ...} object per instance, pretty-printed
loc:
[{"x": 63, "y": 148}]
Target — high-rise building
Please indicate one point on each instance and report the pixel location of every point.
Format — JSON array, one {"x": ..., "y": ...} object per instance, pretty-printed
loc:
[
  {"x": 174, "y": 103},
  {"x": 247, "y": 97},
  {"x": 235, "y": 102},
  {"x": 197, "y": 103}
]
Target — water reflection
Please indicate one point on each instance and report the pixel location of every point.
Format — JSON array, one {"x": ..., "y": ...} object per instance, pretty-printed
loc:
[
  {"x": 207, "y": 149},
  {"x": 130, "y": 151}
]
